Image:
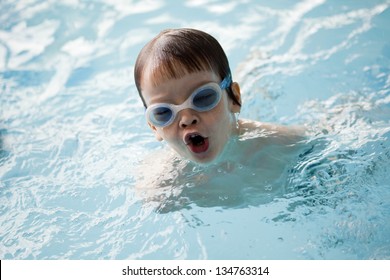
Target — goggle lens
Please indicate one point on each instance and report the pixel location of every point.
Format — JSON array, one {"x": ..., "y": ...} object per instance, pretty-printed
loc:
[
  {"x": 161, "y": 115},
  {"x": 205, "y": 99}
]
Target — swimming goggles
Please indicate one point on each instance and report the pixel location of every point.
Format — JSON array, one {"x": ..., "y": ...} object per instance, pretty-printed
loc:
[{"x": 202, "y": 99}]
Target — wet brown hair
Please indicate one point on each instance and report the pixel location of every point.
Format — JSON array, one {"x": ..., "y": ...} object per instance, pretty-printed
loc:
[{"x": 176, "y": 52}]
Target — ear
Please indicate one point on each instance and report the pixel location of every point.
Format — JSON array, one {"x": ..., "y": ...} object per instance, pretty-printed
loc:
[
  {"x": 236, "y": 108},
  {"x": 156, "y": 133}
]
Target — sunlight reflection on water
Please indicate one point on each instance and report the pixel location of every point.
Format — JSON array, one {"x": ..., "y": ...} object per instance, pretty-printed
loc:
[{"x": 73, "y": 134}]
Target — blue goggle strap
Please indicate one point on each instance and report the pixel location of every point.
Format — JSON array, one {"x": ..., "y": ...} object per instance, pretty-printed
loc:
[{"x": 226, "y": 82}]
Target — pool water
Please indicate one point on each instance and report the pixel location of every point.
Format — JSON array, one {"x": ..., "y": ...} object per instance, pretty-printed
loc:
[{"x": 73, "y": 137}]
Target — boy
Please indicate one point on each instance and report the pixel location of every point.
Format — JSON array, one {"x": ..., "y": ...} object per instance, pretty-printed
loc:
[{"x": 185, "y": 83}]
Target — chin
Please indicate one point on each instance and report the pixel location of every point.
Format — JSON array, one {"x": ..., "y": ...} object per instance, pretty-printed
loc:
[{"x": 204, "y": 159}]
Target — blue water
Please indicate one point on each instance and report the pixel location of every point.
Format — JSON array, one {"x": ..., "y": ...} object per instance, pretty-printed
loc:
[{"x": 73, "y": 134}]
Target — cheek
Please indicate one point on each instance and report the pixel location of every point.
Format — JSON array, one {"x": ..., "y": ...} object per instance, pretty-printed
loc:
[
  {"x": 223, "y": 115},
  {"x": 220, "y": 125},
  {"x": 168, "y": 134}
]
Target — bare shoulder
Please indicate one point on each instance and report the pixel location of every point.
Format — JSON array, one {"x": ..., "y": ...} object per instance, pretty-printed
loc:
[
  {"x": 269, "y": 131},
  {"x": 153, "y": 169},
  {"x": 159, "y": 176}
]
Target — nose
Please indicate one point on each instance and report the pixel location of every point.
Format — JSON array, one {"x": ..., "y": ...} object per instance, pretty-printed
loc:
[{"x": 187, "y": 118}]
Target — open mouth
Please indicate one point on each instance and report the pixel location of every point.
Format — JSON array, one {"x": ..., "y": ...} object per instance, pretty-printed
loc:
[{"x": 197, "y": 143}]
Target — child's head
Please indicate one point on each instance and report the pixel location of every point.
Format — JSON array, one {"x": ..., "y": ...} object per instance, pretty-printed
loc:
[
  {"x": 172, "y": 66},
  {"x": 176, "y": 52}
]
